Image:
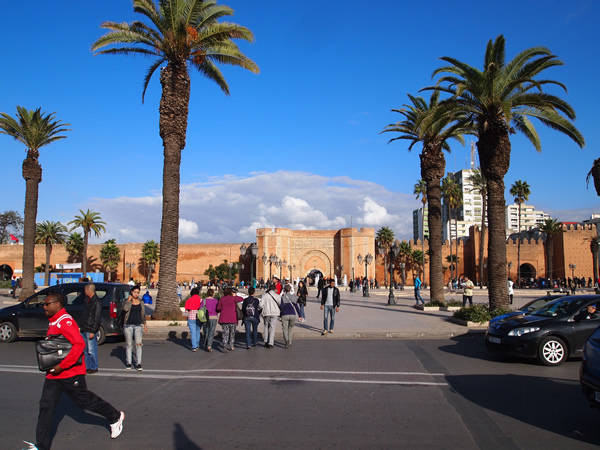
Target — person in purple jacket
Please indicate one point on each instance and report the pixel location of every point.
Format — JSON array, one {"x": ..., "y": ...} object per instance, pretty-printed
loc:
[{"x": 227, "y": 308}]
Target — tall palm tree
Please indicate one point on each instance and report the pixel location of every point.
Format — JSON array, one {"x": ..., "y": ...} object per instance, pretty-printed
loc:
[
  {"x": 74, "y": 245},
  {"x": 421, "y": 123},
  {"x": 90, "y": 221},
  {"x": 500, "y": 100},
  {"x": 34, "y": 129},
  {"x": 385, "y": 239},
  {"x": 150, "y": 255},
  {"x": 452, "y": 194},
  {"x": 181, "y": 33},
  {"x": 420, "y": 190},
  {"x": 110, "y": 255},
  {"x": 479, "y": 184},
  {"x": 550, "y": 228},
  {"x": 520, "y": 191},
  {"x": 49, "y": 233}
]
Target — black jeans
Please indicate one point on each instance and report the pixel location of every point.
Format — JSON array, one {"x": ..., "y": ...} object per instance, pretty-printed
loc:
[
  {"x": 76, "y": 388},
  {"x": 469, "y": 298}
]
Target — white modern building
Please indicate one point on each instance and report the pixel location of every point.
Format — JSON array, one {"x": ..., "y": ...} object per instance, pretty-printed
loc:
[
  {"x": 530, "y": 218},
  {"x": 468, "y": 213},
  {"x": 417, "y": 221}
]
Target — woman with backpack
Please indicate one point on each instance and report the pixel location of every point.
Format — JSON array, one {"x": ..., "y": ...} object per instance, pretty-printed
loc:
[
  {"x": 251, "y": 318},
  {"x": 211, "y": 324}
]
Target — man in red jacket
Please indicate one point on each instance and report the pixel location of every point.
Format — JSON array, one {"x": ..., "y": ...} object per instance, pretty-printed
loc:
[{"x": 69, "y": 377}]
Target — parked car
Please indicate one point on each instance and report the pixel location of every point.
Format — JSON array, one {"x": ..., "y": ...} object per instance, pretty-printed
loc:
[
  {"x": 529, "y": 307},
  {"x": 551, "y": 334},
  {"x": 589, "y": 374},
  {"x": 27, "y": 319}
]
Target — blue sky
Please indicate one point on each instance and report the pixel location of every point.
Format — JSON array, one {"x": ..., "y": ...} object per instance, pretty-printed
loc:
[{"x": 297, "y": 145}]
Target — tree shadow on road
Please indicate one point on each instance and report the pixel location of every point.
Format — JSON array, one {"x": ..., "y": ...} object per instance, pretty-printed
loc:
[
  {"x": 551, "y": 404},
  {"x": 181, "y": 439}
]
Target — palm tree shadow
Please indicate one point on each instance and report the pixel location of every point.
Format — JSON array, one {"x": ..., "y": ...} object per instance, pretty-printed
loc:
[
  {"x": 184, "y": 340},
  {"x": 182, "y": 441}
]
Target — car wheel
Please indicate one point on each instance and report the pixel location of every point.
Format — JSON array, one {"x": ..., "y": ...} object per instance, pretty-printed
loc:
[
  {"x": 552, "y": 351},
  {"x": 8, "y": 332},
  {"x": 101, "y": 335}
]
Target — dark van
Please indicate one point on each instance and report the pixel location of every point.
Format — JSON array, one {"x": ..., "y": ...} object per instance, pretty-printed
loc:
[{"x": 27, "y": 319}]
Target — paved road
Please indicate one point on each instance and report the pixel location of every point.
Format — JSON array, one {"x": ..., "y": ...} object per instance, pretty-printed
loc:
[{"x": 426, "y": 393}]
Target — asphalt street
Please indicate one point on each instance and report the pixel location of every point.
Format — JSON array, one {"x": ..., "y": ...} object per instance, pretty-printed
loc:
[{"x": 329, "y": 393}]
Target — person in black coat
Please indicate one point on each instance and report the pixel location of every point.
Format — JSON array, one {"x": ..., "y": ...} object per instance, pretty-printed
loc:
[{"x": 330, "y": 304}]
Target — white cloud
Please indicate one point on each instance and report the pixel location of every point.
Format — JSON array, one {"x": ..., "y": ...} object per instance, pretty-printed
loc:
[
  {"x": 187, "y": 229},
  {"x": 230, "y": 209}
]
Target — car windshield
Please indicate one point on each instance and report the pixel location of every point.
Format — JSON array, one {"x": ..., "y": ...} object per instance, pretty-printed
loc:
[
  {"x": 558, "y": 307},
  {"x": 536, "y": 304}
]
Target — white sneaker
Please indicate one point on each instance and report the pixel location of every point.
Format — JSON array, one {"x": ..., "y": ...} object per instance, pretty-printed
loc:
[
  {"x": 30, "y": 446},
  {"x": 117, "y": 427}
]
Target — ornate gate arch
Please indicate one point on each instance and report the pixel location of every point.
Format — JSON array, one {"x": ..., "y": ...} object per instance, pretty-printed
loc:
[{"x": 316, "y": 259}]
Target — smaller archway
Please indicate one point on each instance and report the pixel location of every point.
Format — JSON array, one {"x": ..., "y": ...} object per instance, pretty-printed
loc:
[
  {"x": 312, "y": 276},
  {"x": 6, "y": 272},
  {"x": 528, "y": 273}
]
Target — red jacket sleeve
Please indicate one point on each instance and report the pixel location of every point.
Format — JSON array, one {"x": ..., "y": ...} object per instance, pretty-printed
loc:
[{"x": 70, "y": 330}]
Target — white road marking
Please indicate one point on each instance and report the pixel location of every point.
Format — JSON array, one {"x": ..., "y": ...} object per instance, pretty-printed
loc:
[{"x": 197, "y": 374}]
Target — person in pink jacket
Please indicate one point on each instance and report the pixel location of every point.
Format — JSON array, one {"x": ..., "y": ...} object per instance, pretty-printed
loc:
[{"x": 227, "y": 307}]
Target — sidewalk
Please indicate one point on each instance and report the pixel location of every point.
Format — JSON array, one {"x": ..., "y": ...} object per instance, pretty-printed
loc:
[
  {"x": 367, "y": 317},
  {"x": 359, "y": 317}
]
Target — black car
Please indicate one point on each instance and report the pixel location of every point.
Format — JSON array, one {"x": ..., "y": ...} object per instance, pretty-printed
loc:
[
  {"x": 529, "y": 307},
  {"x": 589, "y": 374},
  {"x": 27, "y": 319},
  {"x": 551, "y": 334}
]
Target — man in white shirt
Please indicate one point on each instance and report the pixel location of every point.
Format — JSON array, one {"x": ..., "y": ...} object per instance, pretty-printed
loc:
[{"x": 510, "y": 290}]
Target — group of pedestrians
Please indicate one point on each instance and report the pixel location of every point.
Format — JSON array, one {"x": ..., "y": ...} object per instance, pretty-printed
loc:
[{"x": 279, "y": 302}]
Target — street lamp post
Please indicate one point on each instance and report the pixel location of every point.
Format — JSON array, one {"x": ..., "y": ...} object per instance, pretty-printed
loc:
[
  {"x": 230, "y": 266},
  {"x": 509, "y": 265},
  {"x": 281, "y": 265},
  {"x": 353, "y": 288},
  {"x": 130, "y": 265},
  {"x": 367, "y": 260},
  {"x": 272, "y": 260}
]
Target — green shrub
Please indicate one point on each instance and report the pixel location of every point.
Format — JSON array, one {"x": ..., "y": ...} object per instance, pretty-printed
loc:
[
  {"x": 434, "y": 303},
  {"x": 475, "y": 313},
  {"x": 453, "y": 302},
  {"x": 5, "y": 284}
]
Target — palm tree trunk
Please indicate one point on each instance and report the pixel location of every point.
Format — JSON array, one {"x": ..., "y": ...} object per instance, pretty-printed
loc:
[
  {"x": 48, "y": 253},
  {"x": 85, "y": 260},
  {"x": 482, "y": 238},
  {"x": 32, "y": 173},
  {"x": 173, "y": 111},
  {"x": 434, "y": 221},
  {"x": 498, "y": 288},
  {"x": 518, "y": 283}
]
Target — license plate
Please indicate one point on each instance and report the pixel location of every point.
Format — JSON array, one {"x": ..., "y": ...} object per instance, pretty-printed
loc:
[
  {"x": 597, "y": 396},
  {"x": 495, "y": 340}
]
